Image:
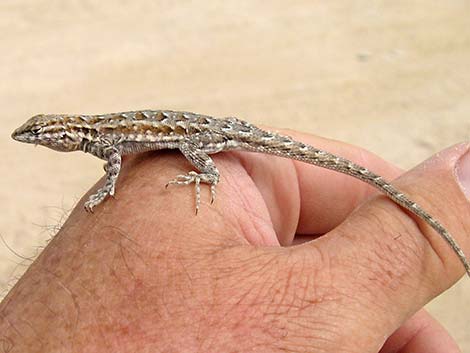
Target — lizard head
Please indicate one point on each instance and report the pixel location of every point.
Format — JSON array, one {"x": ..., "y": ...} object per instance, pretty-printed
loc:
[{"x": 52, "y": 131}]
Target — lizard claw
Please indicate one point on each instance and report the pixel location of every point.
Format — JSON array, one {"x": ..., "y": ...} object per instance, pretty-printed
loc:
[
  {"x": 213, "y": 194},
  {"x": 196, "y": 178},
  {"x": 89, "y": 206}
]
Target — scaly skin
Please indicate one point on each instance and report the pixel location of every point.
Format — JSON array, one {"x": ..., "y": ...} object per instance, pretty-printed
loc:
[{"x": 111, "y": 136}]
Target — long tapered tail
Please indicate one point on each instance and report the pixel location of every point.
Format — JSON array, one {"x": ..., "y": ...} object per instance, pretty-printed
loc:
[{"x": 284, "y": 146}]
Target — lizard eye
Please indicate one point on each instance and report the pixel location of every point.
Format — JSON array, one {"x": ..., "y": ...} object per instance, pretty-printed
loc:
[{"x": 35, "y": 130}]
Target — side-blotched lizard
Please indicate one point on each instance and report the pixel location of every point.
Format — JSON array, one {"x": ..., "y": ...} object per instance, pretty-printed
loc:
[{"x": 110, "y": 136}]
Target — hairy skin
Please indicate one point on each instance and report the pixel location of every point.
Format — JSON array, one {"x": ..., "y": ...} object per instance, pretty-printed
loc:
[
  {"x": 197, "y": 137},
  {"x": 152, "y": 277}
]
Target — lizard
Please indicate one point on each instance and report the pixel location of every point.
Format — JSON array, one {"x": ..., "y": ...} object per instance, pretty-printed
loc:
[{"x": 196, "y": 136}]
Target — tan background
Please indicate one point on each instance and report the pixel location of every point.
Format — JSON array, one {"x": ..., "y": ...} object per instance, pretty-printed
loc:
[{"x": 391, "y": 76}]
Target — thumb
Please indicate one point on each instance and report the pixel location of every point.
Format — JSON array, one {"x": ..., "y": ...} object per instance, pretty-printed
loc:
[{"x": 388, "y": 262}]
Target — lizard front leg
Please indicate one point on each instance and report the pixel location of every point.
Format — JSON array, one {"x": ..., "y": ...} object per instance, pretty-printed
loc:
[
  {"x": 113, "y": 167},
  {"x": 208, "y": 171}
]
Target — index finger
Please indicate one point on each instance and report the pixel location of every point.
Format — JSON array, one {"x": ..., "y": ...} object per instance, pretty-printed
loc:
[
  {"x": 328, "y": 197},
  {"x": 325, "y": 197}
]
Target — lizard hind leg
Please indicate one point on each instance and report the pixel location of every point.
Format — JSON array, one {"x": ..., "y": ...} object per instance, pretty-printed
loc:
[{"x": 208, "y": 171}]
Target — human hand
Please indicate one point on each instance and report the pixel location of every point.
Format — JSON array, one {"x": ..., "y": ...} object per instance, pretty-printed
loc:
[{"x": 144, "y": 274}]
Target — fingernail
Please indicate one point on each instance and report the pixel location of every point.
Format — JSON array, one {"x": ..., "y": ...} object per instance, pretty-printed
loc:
[{"x": 463, "y": 173}]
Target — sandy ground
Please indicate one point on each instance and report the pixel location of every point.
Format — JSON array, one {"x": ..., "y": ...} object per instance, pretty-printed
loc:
[{"x": 392, "y": 77}]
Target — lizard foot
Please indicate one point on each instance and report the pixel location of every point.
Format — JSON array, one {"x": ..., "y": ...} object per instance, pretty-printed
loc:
[
  {"x": 196, "y": 178},
  {"x": 98, "y": 197}
]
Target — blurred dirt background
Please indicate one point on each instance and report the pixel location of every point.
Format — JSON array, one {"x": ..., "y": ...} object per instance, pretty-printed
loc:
[{"x": 391, "y": 76}]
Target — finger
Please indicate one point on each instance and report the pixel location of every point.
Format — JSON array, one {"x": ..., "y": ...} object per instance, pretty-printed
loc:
[
  {"x": 391, "y": 259},
  {"x": 328, "y": 197},
  {"x": 325, "y": 197},
  {"x": 420, "y": 334}
]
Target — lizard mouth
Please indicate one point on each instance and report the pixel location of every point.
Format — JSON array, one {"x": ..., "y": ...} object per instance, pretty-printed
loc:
[
  {"x": 18, "y": 136},
  {"x": 22, "y": 136}
]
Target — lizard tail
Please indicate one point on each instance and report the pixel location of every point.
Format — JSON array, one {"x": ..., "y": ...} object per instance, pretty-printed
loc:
[{"x": 284, "y": 146}]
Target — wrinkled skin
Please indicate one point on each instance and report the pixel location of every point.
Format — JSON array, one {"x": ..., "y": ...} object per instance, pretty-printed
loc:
[{"x": 144, "y": 274}]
